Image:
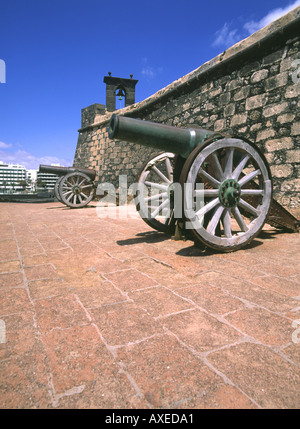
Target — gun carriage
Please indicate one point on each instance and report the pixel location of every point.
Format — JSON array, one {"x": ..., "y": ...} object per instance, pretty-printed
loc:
[
  {"x": 75, "y": 187},
  {"x": 228, "y": 174}
]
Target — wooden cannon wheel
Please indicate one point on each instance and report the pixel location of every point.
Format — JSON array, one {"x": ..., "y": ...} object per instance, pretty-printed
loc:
[
  {"x": 76, "y": 189},
  {"x": 152, "y": 196},
  {"x": 56, "y": 189},
  {"x": 223, "y": 209}
]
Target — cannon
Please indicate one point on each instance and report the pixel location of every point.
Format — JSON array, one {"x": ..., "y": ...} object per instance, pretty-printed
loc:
[
  {"x": 223, "y": 184},
  {"x": 75, "y": 186}
]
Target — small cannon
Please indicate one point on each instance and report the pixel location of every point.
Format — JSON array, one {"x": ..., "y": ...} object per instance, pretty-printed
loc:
[
  {"x": 228, "y": 174},
  {"x": 75, "y": 186}
]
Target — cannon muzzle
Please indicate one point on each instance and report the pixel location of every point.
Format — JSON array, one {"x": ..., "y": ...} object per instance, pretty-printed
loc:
[
  {"x": 163, "y": 137},
  {"x": 62, "y": 171}
]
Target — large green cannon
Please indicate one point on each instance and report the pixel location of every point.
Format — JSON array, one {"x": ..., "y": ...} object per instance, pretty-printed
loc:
[
  {"x": 75, "y": 187},
  {"x": 213, "y": 188}
]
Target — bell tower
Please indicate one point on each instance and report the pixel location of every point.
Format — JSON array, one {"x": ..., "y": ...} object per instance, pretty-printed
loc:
[{"x": 121, "y": 87}]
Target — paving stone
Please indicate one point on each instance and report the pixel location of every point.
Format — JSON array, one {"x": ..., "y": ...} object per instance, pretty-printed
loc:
[
  {"x": 159, "y": 301},
  {"x": 47, "y": 288},
  {"x": 285, "y": 286},
  {"x": 262, "y": 374},
  {"x": 200, "y": 331},
  {"x": 129, "y": 280},
  {"x": 292, "y": 350},
  {"x": 224, "y": 396},
  {"x": 211, "y": 298},
  {"x": 163, "y": 273},
  {"x": 59, "y": 312},
  {"x": 11, "y": 280},
  {"x": 262, "y": 325},
  {"x": 100, "y": 294},
  {"x": 8, "y": 250},
  {"x": 40, "y": 259},
  {"x": 250, "y": 292},
  {"x": 120, "y": 324},
  {"x": 9, "y": 266},
  {"x": 14, "y": 301},
  {"x": 166, "y": 372},
  {"x": 24, "y": 382},
  {"x": 76, "y": 356},
  {"x": 107, "y": 391}
]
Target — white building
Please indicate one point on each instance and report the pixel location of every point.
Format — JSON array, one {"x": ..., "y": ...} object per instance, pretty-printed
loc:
[
  {"x": 12, "y": 178},
  {"x": 31, "y": 178},
  {"x": 47, "y": 180},
  {"x": 16, "y": 178}
]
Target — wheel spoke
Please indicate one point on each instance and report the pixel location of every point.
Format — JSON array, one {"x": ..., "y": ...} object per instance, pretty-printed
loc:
[
  {"x": 83, "y": 195},
  {"x": 160, "y": 208},
  {"x": 249, "y": 177},
  {"x": 206, "y": 192},
  {"x": 156, "y": 197},
  {"x": 248, "y": 207},
  {"x": 156, "y": 185},
  {"x": 217, "y": 166},
  {"x": 240, "y": 167},
  {"x": 239, "y": 219},
  {"x": 83, "y": 180},
  {"x": 228, "y": 163},
  {"x": 227, "y": 223},
  {"x": 169, "y": 169},
  {"x": 252, "y": 192},
  {"x": 67, "y": 187},
  {"x": 69, "y": 198},
  {"x": 215, "y": 219},
  {"x": 160, "y": 175},
  {"x": 208, "y": 207},
  {"x": 216, "y": 183}
]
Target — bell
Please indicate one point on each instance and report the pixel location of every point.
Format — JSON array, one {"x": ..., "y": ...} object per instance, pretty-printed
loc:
[{"x": 120, "y": 94}]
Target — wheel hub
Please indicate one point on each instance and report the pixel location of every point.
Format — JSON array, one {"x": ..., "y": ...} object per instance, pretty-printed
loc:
[
  {"x": 76, "y": 190},
  {"x": 229, "y": 193}
]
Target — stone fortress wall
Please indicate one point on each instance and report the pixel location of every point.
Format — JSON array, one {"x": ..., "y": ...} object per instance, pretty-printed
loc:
[{"x": 252, "y": 89}]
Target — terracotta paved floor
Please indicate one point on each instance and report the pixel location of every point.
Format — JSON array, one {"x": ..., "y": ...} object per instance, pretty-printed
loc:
[{"x": 108, "y": 313}]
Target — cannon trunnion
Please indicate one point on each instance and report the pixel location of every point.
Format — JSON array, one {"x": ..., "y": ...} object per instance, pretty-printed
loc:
[{"x": 213, "y": 188}]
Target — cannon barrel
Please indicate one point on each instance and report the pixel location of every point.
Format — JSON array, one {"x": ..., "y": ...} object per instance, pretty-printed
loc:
[
  {"x": 62, "y": 171},
  {"x": 163, "y": 137}
]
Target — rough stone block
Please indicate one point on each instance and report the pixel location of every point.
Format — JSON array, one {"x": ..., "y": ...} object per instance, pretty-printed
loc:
[
  {"x": 238, "y": 120},
  {"x": 279, "y": 144},
  {"x": 242, "y": 93},
  {"x": 265, "y": 134},
  {"x": 259, "y": 75},
  {"x": 287, "y": 117},
  {"x": 256, "y": 101},
  {"x": 275, "y": 109},
  {"x": 276, "y": 81},
  {"x": 293, "y": 91},
  {"x": 295, "y": 129},
  {"x": 293, "y": 156},
  {"x": 283, "y": 170}
]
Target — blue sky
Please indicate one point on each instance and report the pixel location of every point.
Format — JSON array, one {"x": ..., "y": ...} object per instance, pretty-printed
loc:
[{"x": 57, "y": 52}]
